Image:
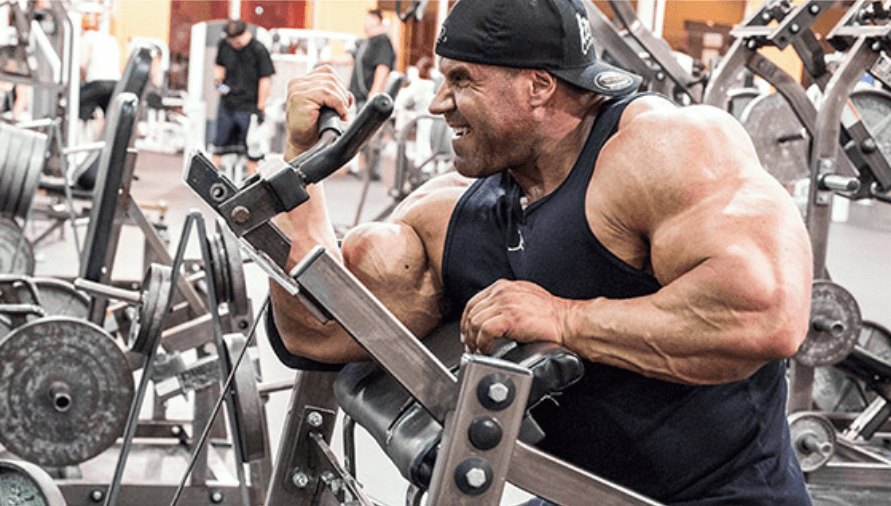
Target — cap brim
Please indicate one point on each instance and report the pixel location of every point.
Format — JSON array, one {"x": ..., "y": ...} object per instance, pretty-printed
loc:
[{"x": 601, "y": 78}]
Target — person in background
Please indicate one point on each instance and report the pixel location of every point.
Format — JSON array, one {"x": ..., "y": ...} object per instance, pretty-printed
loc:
[
  {"x": 100, "y": 65},
  {"x": 13, "y": 97},
  {"x": 242, "y": 75},
  {"x": 373, "y": 60}
]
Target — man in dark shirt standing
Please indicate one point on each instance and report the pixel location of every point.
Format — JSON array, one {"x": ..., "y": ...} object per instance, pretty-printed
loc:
[
  {"x": 242, "y": 76},
  {"x": 373, "y": 59}
]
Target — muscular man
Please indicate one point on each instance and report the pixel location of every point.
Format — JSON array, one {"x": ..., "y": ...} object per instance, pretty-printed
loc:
[{"x": 641, "y": 235}]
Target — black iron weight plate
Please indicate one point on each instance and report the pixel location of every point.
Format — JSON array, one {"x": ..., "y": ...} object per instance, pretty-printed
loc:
[
  {"x": 874, "y": 107},
  {"x": 46, "y": 360},
  {"x": 16, "y": 254},
  {"x": 832, "y": 302},
  {"x": 24, "y": 484},
  {"x": 778, "y": 137},
  {"x": 249, "y": 413}
]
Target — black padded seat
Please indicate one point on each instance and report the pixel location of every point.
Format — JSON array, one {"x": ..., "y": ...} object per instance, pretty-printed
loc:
[{"x": 406, "y": 432}]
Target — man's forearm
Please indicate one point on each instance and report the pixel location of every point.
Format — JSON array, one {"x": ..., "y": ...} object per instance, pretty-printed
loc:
[
  {"x": 381, "y": 72},
  {"x": 263, "y": 87}
]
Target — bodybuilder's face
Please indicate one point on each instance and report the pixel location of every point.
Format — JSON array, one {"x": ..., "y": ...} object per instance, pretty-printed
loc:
[{"x": 489, "y": 114}]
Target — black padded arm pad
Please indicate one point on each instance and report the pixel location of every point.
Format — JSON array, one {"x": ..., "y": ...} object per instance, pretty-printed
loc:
[{"x": 404, "y": 430}]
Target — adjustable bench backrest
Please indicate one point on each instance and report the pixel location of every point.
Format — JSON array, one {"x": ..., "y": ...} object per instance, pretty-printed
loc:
[{"x": 134, "y": 79}]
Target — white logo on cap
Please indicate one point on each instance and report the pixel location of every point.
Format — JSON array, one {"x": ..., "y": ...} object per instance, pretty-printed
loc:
[
  {"x": 611, "y": 80},
  {"x": 586, "y": 38}
]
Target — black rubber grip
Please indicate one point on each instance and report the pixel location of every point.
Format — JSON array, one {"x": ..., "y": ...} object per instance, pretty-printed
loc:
[
  {"x": 329, "y": 120},
  {"x": 369, "y": 119}
]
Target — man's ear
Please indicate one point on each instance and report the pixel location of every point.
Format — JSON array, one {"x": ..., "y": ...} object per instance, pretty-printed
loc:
[{"x": 542, "y": 87}]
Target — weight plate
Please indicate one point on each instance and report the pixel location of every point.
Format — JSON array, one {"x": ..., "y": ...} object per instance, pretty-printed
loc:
[
  {"x": 249, "y": 413},
  {"x": 239, "y": 303},
  {"x": 739, "y": 99},
  {"x": 836, "y": 391},
  {"x": 7, "y": 164},
  {"x": 32, "y": 176},
  {"x": 217, "y": 270},
  {"x": 875, "y": 338},
  {"x": 5, "y": 326},
  {"x": 874, "y": 107},
  {"x": 22, "y": 145},
  {"x": 16, "y": 254},
  {"x": 155, "y": 297},
  {"x": 24, "y": 484},
  {"x": 813, "y": 438},
  {"x": 60, "y": 298},
  {"x": 835, "y": 326},
  {"x": 65, "y": 391},
  {"x": 779, "y": 138}
]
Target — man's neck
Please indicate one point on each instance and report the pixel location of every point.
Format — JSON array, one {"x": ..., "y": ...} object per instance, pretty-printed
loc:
[{"x": 557, "y": 156}]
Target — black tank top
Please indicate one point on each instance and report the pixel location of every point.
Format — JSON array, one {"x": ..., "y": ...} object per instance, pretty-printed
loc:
[{"x": 679, "y": 444}]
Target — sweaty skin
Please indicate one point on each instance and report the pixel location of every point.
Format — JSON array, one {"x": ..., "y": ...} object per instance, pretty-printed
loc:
[{"x": 676, "y": 192}]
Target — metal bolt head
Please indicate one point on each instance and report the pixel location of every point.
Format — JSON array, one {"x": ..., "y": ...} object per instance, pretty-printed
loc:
[
  {"x": 314, "y": 418},
  {"x": 217, "y": 191},
  {"x": 240, "y": 214},
  {"x": 96, "y": 495},
  {"x": 869, "y": 146},
  {"x": 814, "y": 8},
  {"x": 300, "y": 479},
  {"x": 498, "y": 392},
  {"x": 476, "y": 477},
  {"x": 216, "y": 497}
]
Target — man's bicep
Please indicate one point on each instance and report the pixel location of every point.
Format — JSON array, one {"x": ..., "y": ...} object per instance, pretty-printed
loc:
[{"x": 390, "y": 259}]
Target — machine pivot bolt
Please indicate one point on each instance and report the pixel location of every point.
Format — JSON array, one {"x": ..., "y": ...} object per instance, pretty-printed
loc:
[
  {"x": 498, "y": 392},
  {"x": 869, "y": 146},
  {"x": 814, "y": 8},
  {"x": 314, "y": 418},
  {"x": 216, "y": 497},
  {"x": 299, "y": 479},
  {"x": 96, "y": 495},
  {"x": 476, "y": 477},
  {"x": 473, "y": 476},
  {"x": 240, "y": 214},
  {"x": 217, "y": 191}
]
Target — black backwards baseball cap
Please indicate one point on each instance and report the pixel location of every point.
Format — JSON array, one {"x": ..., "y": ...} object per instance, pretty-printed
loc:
[{"x": 552, "y": 35}]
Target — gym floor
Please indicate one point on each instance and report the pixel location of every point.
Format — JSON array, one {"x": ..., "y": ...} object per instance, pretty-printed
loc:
[{"x": 857, "y": 261}]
